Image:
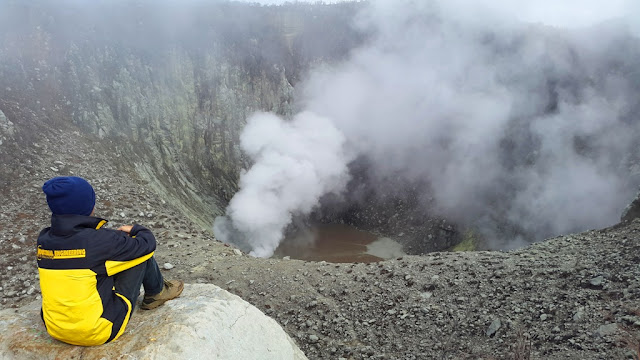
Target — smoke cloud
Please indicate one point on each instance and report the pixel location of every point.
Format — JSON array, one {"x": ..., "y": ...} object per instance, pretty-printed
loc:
[
  {"x": 295, "y": 164},
  {"x": 516, "y": 114}
]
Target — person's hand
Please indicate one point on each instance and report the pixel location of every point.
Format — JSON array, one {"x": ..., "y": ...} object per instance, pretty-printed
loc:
[{"x": 125, "y": 228}]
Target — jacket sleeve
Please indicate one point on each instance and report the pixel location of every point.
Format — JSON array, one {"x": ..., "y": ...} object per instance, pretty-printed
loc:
[{"x": 130, "y": 250}]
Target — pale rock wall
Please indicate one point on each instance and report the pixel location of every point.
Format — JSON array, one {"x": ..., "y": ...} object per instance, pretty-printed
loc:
[{"x": 185, "y": 142}]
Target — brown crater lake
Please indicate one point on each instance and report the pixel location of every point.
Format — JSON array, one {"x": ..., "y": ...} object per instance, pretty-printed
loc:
[{"x": 338, "y": 243}]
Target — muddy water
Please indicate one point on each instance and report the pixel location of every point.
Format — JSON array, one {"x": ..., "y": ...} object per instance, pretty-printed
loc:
[{"x": 339, "y": 244}]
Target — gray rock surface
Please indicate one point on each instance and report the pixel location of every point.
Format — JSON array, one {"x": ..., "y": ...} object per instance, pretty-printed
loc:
[
  {"x": 608, "y": 329},
  {"x": 205, "y": 322},
  {"x": 494, "y": 327}
]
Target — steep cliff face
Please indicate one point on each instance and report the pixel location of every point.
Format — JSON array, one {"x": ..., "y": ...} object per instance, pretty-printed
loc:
[{"x": 170, "y": 85}]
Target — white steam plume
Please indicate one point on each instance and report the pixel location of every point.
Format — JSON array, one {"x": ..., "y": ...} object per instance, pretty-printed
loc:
[
  {"x": 512, "y": 111},
  {"x": 295, "y": 164},
  {"x": 488, "y": 109}
]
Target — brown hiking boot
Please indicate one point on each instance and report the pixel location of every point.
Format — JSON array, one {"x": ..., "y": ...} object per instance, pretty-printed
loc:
[{"x": 172, "y": 289}]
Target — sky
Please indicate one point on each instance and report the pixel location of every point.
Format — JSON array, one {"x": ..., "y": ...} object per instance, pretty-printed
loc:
[
  {"x": 564, "y": 13},
  {"x": 280, "y": 2}
]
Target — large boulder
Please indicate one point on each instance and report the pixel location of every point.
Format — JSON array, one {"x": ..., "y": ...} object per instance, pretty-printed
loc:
[{"x": 205, "y": 322}]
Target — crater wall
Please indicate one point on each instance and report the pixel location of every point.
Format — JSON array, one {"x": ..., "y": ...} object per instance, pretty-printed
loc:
[{"x": 170, "y": 86}]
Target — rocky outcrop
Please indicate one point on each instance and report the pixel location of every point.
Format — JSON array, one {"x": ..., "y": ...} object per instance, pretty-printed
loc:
[
  {"x": 205, "y": 322},
  {"x": 632, "y": 211}
]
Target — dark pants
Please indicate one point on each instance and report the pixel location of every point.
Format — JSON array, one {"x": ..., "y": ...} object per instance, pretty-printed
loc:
[{"x": 146, "y": 274}]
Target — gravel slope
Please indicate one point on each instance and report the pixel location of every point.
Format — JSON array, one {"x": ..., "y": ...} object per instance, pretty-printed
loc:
[{"x": 572, "y": 297}]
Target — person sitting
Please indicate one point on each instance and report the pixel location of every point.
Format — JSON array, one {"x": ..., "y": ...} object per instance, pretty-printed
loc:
[{"x": 90, "y": 276}]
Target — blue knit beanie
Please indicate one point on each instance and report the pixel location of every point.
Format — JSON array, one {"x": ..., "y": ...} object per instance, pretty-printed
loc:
[{"x": 69, "y": 195}]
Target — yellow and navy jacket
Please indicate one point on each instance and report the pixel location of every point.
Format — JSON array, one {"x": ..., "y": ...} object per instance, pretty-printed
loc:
[{"x": 76, "y": 261}]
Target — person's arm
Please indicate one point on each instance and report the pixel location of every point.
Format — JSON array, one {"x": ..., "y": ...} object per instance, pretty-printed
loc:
[{"x": 131, "y": 245}]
